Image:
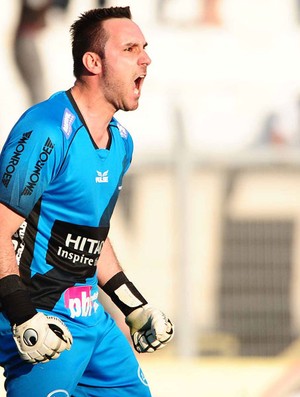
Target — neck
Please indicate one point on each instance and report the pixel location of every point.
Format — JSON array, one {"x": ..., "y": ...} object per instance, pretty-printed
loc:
[{"x": 97, "y": 113}]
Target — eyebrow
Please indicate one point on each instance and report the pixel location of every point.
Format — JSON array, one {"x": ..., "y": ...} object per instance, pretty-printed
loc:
[{"x": 132, "y": 44}]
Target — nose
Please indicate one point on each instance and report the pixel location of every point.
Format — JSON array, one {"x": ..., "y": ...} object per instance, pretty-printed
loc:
[{"x": 145, "y": 59}]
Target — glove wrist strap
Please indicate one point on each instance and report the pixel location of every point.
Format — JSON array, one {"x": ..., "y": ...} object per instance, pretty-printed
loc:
[
  {"x": 15, "y": 300},
  {"x": 123, "y": 293}
]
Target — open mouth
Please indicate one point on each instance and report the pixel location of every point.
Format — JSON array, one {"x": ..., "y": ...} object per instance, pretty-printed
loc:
[{"x": 138, "y": 84}]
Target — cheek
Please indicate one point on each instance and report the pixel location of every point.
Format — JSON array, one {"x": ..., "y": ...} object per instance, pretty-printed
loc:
[{"x": 114, "y": 75}]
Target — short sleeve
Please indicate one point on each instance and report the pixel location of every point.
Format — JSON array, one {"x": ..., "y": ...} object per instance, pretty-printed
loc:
[{"x": 29, "y": 161}]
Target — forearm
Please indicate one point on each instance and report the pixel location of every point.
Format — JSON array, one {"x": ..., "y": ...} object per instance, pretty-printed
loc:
[
  {"x": 14, "y": 297},
  {"x": 114, "y": 282},
  {"x": 9, "y": 223},
  {"x": 108, "y": 264},
  {"x": 8, "y": 263},
  {"x": 150, "y": 329}
]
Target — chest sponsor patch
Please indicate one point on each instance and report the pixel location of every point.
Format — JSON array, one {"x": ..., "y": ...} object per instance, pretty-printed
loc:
[
  {"x": 75, "y": 248},
  {"x": 81, "y": 301}
]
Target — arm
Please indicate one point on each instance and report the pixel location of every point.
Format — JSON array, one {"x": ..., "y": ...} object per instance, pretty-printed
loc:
[
  {"x": 14, "y": 296},
  {"x": 9, "y": 223},
  {"x": 17, "y": 305},
  {"x": 108, "y": 264},
  {"x": 150, "y": 329},
  {"x": 43, "y": 343}
]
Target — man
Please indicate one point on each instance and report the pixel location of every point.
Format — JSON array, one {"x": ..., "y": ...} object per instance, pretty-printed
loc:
[{"x": 61, "y": 172}]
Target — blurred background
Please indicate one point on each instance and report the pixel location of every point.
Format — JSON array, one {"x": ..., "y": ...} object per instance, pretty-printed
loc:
[{"x": 208, "y": 223}]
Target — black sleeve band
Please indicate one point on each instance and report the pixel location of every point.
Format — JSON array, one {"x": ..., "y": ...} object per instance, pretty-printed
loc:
[
  {"x": 15, "y": 299},
  {"x": 123, "y": 293}
]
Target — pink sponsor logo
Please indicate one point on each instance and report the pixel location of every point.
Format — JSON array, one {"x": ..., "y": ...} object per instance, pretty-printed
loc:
[{"x": 80, "y": 301}]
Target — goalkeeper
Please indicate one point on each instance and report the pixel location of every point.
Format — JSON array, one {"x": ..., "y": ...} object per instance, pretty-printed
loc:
[{"x": 61, "y": 171}]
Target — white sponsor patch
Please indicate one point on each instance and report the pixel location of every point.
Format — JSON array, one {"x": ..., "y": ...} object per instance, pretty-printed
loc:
[
  {"x": 122, "y": 130},
  {"x": 67, "y": 121}
]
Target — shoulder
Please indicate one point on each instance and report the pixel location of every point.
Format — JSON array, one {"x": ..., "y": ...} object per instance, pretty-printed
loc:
[
  {"x": 122, "y": 135},
  {"x": 52, "y": 118},
  {"x": 121, "y": 132}
]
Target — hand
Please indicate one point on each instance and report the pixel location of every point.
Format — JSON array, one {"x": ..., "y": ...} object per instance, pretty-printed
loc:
[
  {"x": 42, "y": 338},
  {"x": 150, "y": 329}
]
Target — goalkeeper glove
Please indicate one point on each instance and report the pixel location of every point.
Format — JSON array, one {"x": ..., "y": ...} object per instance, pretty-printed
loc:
[
  {"x": 41, "y": 338},
  {"x": 38, "y": 337},
  {"x": 150, "y": 329}
]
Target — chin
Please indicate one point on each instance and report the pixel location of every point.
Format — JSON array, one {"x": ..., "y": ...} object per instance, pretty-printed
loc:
[{"x": 131, "y": 107}]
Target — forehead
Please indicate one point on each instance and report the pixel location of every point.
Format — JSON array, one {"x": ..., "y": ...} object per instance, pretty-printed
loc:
[{"x": 122, "y": 31}]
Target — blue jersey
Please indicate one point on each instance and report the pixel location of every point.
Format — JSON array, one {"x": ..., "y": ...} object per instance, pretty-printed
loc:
[
  {"x": 53, "y": 174},
  {"x": 65, "y": 187}
]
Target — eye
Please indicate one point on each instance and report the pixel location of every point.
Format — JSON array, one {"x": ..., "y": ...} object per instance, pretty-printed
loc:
[{"x": 132, "y": 47}]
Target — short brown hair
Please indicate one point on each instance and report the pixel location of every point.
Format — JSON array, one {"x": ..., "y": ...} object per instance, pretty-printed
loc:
[{"x": 87, "y": 33}]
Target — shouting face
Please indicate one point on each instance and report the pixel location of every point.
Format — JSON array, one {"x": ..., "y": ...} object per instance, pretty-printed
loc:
[{"x": 124, "y": 66}]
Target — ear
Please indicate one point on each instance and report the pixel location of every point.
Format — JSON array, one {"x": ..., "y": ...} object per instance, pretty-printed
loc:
[{"x": 92, "y": 62}]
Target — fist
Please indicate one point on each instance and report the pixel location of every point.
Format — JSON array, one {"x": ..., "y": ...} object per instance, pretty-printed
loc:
[
  {"x": 150, "y": 329},
  {"x": 42, "y": 338}
]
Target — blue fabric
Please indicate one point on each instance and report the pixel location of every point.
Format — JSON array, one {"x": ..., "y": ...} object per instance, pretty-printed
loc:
[
  {"x": 100, "y": 363},
  {"x": 54, "y": 175}
]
